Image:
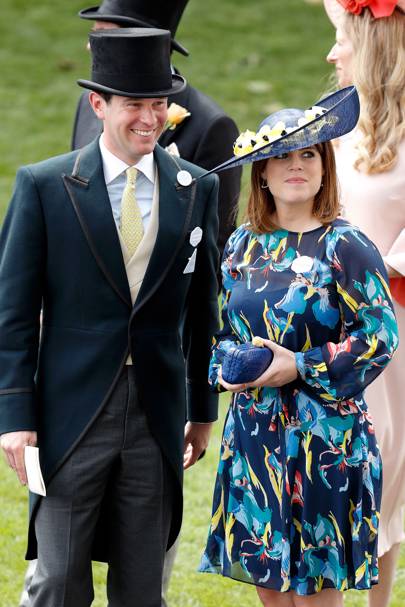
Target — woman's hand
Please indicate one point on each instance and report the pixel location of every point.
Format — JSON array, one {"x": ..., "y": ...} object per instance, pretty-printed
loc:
[
  {"x": 231, "y": 387},
  {"x": 282, "y": 370}
]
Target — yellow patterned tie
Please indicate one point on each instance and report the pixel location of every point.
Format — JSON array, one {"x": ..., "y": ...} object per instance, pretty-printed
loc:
[{"x": 131, "y": 218}]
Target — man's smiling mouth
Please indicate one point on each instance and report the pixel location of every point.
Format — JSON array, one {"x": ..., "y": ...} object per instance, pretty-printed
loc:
[{"x": 143, "y": 133}]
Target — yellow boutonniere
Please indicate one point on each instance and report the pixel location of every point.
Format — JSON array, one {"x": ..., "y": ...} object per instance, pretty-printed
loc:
[{"x": 175, "y": 115}]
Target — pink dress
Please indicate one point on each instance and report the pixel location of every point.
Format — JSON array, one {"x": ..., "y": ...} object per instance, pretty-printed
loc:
[{"x": 376, "y": 204}]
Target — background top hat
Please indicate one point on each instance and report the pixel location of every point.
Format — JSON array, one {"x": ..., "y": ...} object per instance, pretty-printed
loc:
[
  {"x": 162, "y": 14},
  {"x": 132, "y": 62}
]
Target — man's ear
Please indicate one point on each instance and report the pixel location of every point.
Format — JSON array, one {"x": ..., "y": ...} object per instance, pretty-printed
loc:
[{"x": 98, "y": 104}]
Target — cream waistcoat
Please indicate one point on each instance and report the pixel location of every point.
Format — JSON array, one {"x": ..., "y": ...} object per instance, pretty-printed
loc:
[{"x": 136, "y": 265}]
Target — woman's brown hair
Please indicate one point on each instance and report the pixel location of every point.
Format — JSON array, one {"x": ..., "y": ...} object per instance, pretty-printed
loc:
[{"x": 326, "y": 202}]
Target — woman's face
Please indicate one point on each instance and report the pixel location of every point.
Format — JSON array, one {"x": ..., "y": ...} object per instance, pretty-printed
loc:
[
  {"x": 341, "y": 55},
  {"x": 294, "y": 177}
]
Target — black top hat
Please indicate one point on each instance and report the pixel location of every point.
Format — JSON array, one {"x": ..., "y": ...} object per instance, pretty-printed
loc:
[
  {"x": 164, "y": 14},
  {"x": 132, "y": 62}
]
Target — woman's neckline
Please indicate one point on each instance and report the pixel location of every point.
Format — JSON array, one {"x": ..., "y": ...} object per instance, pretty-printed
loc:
[{"x": 281, "y": 229}]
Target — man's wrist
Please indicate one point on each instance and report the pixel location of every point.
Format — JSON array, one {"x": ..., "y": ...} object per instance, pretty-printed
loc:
[{"x": 201, "y": 423}]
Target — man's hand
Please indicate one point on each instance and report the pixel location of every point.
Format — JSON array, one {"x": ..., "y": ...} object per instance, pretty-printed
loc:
[
  {"x": 196, "y": 438},
  {"x": 13, "y": 444}
]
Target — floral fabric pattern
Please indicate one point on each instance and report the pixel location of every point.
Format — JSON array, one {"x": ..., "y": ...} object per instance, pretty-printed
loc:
[{"x": 298, "y": 489}]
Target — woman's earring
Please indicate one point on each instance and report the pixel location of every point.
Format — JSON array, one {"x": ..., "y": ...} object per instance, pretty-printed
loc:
[{"x": 263, "y": 184}]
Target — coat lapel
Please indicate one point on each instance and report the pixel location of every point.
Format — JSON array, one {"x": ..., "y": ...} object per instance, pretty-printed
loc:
[
  {"x": 89, "y": 197},
  {"x": 175, "y": 210}
]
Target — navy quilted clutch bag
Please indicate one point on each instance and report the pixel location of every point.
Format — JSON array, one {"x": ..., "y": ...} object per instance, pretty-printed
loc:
[{"x": 245, "y": 363}]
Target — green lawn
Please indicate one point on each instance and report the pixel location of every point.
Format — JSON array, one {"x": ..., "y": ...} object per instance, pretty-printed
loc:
[{"x": 252, "y": 56}]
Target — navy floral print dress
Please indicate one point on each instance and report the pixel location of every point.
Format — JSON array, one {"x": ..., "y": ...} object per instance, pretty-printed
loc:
[{"x": 297, "y": 494}]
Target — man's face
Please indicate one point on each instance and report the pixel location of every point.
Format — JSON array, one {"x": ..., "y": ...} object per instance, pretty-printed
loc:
[{"x": 132, "y": 126}]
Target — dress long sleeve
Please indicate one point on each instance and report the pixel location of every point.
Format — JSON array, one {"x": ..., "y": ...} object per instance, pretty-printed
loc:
[{"x": 369, "y": 337}]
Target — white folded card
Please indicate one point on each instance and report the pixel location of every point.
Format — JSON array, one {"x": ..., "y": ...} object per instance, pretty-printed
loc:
[{"x": 33, "y": 469}]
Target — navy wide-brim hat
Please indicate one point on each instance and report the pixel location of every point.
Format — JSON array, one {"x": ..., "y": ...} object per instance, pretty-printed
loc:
[
  {"x": 132, "y": 62},
  {"x": 293, "y": 129},
  {"x": 161, "y": 14}
]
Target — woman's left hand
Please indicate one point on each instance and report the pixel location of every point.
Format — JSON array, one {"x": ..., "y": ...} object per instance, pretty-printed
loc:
[
  {"x": 282, "y": 370},
  {"x": 230, "y": 387}
]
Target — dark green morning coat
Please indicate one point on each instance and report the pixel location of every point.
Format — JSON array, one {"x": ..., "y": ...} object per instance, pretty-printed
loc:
[{"x": 60, "y": 253}]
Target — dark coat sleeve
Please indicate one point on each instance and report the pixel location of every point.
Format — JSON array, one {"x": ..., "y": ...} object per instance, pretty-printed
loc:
[
  {"x": 216, "y": 146},
  {"x": 22, "y": 261},
  {"x": 202, "y": 316}
]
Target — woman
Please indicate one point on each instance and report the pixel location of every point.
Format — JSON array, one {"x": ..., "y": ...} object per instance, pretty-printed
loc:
[
  {"x": 370, "y": 51},
  {"x": 296, "y": 500}
]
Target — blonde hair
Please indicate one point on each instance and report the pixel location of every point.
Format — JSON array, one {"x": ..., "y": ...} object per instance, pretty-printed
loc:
[
  {"x": 261, "y": 203},
  {"x": 379, "y": 75}
]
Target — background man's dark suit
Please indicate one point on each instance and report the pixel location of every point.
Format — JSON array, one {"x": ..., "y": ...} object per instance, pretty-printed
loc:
[{"x": 59, "y": 251}]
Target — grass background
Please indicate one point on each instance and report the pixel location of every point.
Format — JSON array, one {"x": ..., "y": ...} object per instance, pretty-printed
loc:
[{"x": 252, "y": 57}]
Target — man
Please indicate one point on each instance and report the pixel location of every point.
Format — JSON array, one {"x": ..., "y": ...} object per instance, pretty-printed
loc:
[
  {"x": 119, "y": 256},
  {"x": 205, "y": 137}
]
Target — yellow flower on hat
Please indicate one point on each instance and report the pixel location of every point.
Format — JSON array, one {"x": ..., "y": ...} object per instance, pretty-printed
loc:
[
  {"x": 262, "y": 136},
  {"x": 244, "y": 143},
  {"x": 249, "y": 141},
  {"x": 175, "y": 115},
  {"x": 318, "y": 110},
  {"x": 267, "y": 134},
  {"x": 277, "y": 129},
  {"x": 311, "y": 114}
]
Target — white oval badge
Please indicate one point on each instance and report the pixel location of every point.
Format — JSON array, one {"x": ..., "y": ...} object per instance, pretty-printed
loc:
[
  {"x": 195, "y": 236},
  {"x": 302, "y": 264},
  {"x": 184, "y": 178}
]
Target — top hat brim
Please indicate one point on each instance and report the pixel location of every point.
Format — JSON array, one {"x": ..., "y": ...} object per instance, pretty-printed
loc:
[
  {"x": 93, "y": 15},
  {"x": 341, "y": 116},
  {"x": 178, "y": 84}
]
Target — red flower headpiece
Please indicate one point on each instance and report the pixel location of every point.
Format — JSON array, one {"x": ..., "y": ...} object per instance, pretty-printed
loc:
[{"x": 379, "y": 8}]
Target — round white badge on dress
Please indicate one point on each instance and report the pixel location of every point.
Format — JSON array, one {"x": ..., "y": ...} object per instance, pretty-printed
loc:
[
  {"x": 302, "y": 264},
  {"x": 184, "y": 178}
]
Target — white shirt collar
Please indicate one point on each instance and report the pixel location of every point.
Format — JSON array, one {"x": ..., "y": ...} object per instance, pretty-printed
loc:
[{"x": 114, "y": 166}]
